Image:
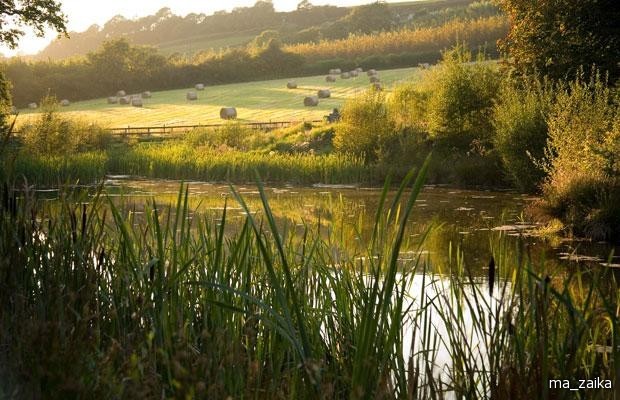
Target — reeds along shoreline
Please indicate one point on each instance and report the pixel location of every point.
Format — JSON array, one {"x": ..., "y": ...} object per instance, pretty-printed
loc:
[{"x": 94, "y": 304}]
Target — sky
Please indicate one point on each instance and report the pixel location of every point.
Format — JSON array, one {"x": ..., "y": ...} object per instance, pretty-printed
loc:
[{"x": 84, "y": 13}]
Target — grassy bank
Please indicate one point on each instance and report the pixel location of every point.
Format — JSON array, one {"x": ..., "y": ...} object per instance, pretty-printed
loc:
[{"x": 96, "y": 303}]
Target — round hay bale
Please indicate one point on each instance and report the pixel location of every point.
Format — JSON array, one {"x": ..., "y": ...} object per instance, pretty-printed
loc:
[
  {"x": 371, "y": 72},
  {"x": 291, "y": 85},
  {"x": 374, "y": 79},
  {"x": 324, "y": 93},
  {"x": 33, "y": 106},
  {"x": 191, "y": 96},
  {"x": 112, "y": 100},
  {"x": 124, "y": 100},
  {"x": 359, "y": 69},
  {"x": 121, "y": 93},
  {"x": 345, "y": 75},
  {"x": 136, "y": 102},
  {"x": 330, "y": 78},
  {"x": 311, "y": 101},
  {"x": 353, "y": 74},
  {"x": 199, "y": 86},
  {"x": 228, "y": 113},
  {"x": 335, "y": 71},
  {"x": 377, "y": 86},
  {"x": 146, "y": 95},
  {"x": 65, "y": 103}
]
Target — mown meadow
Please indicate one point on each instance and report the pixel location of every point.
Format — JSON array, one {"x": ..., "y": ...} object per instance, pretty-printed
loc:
[{"x": 255, "y": 101}]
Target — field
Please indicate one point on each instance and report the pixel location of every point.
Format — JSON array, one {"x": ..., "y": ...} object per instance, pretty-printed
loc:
[
  {"x": 255, "y": 101},
  {"x": 189, "y": 46}
]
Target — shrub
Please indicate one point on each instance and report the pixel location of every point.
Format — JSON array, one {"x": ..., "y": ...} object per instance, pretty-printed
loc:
[
  {"x": 231, "y": 134},
  {"x": 408, "y": 107},
  {"x": 462, "y": 95},
  {"x": 366, "y": 126},
  {"x": 519, "y": 120},
  {"x": 52, "y": 134},
  {"x": 583, "y": 162}
]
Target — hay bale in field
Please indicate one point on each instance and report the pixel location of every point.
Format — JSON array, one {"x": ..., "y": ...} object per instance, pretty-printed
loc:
[
  {"x": 112, "y": 100},
  {"x": 291, "y": 85},
  {"x": 121, "y": 93},
  {"x": 359, "y": 70},
  {"x": 377, "y": 86},
  {"x": 199, "y": 86},
  {"x": 146, "y": 95},
  {"x": 33, "y": 106},
  {"x": 345, "y": 75},
  {"x": 330, "y": 78},
  {"x": 371, "y": 72},
  {"x": 136, "y": 102},
  {"x": 311, "y": 101},
  {"x": 424, "y": 65},
  {"x": 324, "y": 93},
  {"x": 191, "y": 96},
  {"x": 374, "y": 79},
  {"x": 335, "y": 71},
  {"x": 124, "y": 100},
  {"x": 65, "y": 103},
  {"x": 353, "y": 74},
  {"x": 228, "y": 113}
]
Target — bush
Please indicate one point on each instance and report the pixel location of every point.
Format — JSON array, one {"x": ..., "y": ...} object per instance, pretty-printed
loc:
[
  {"x": 519, "y": 120},
  {"x": 462, "y": 95},
  {"x": 583, "y": 159},
  {"x": 366, "y": 127},
  {"x": 52, "y": 134},
  {"x": 231, "y": 134},
  {"x": 408, "y": 107}
]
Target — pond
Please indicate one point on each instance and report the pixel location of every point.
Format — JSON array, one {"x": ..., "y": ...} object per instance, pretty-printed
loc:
[
  {"x": 445, "y": 222},
  {"x": 465, "y": 219}
]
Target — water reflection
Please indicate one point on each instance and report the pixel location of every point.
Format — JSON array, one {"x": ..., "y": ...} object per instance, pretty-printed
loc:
[{"x": 466, "y": 219}]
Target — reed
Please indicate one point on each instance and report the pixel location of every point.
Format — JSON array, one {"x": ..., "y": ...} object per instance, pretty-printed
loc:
[{"x": 99, "y": 300}]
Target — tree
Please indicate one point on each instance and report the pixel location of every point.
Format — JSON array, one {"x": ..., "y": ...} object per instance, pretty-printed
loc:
[
  {"x": 557, "y": 37},
  {"x": 369, "y": 18},
  {"x": 304, "y": 5},
  {"x": 37, "y": 14}
]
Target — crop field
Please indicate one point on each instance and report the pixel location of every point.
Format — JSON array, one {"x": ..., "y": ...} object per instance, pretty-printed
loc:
[{"x": 255, "y": 101}]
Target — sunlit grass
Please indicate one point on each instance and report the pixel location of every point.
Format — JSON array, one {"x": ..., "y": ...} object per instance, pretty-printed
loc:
[{"x": 255, "y": 101}]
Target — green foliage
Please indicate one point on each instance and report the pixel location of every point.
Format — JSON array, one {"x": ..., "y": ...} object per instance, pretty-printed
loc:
[
  {"x": 520, "y": 123},
  {"x": 408, "y": 107},
  {"x": 231, "y": 135},
  {"x": 462, "y": 95},
  {"x": 51, "y": 134},
  {"x": 583, "y": 187},
  {"x": 373, "y": 17},
  {"x": 37, "y": 14},
  {"x": 558, "y": 37},
  {"x": 6, "y": 103},
  {"x": 365, "y": 127}
]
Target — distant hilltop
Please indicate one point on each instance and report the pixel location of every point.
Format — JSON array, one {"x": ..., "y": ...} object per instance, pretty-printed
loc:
[{"x": 174, "y": 35}]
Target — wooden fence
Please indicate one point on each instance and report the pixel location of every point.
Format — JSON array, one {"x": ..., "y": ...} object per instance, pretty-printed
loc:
[{"x": 175, "y": 129}]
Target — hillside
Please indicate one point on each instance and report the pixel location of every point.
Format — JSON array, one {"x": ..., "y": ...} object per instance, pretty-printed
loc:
[{"x": 195, "y": 33}]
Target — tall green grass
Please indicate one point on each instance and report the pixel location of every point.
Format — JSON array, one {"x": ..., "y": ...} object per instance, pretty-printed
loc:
[
  {"x": 94, "y": 303},
  {"x": 210, "y": 164}
]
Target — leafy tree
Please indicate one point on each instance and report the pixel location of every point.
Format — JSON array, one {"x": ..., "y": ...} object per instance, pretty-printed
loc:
[
  {"x": 556, "y": 37},
  {"x": 369, "y": 18},
  {"x": 304, "y": 5},
  {"x": 37, "y": 14}
]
